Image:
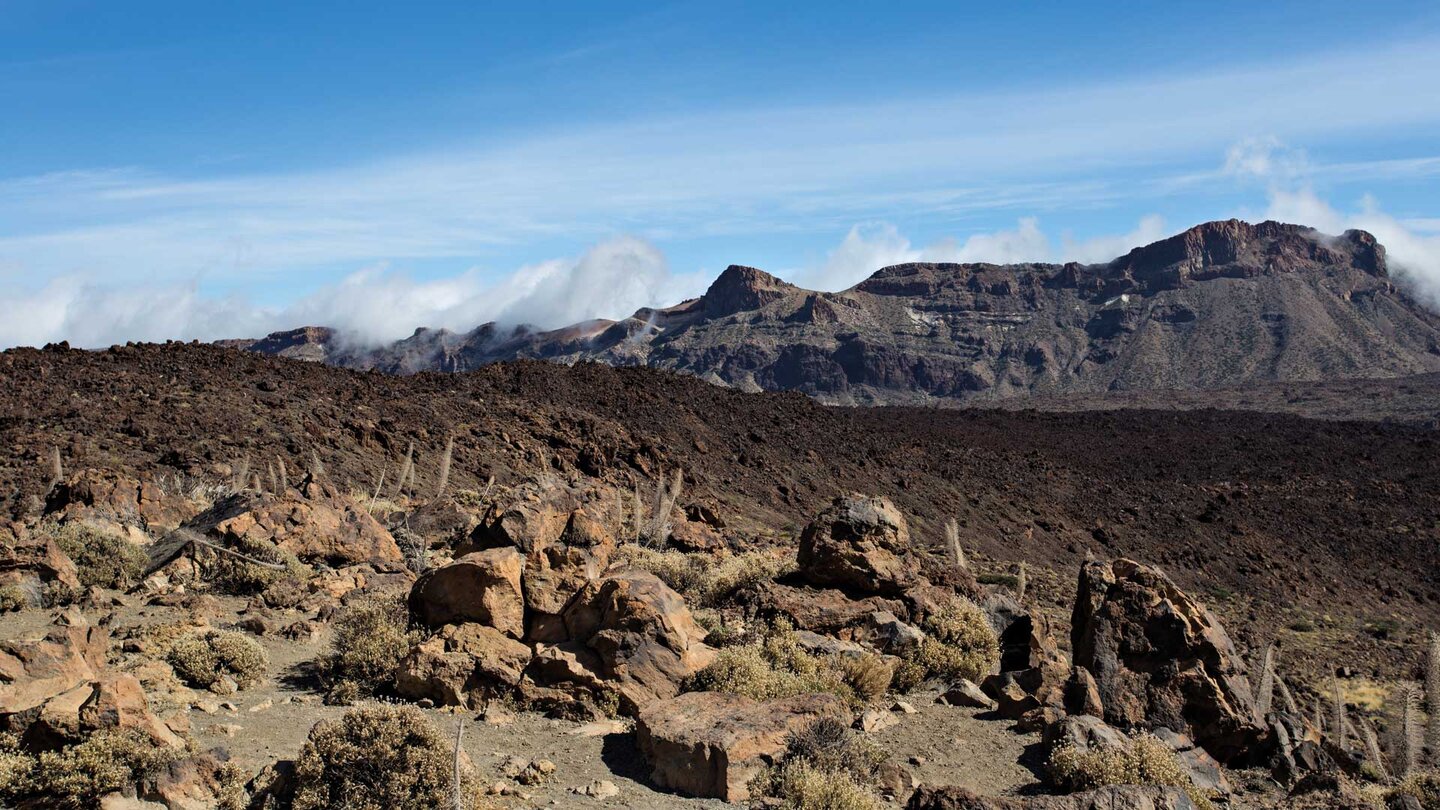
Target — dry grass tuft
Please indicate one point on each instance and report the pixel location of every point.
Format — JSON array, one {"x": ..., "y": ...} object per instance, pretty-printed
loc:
[
  {"x": 960, "y": 644},
  {"x": 827, "y": 766},
  {"x": 78, "y": 775},
  {"x": 777, "y": 666},
  {"x": 13, "y": 597},
  {"x": 379, "y": 758}
]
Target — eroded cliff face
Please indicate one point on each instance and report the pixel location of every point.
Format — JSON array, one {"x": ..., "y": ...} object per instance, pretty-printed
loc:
[{"x": 1221, "y": 305}]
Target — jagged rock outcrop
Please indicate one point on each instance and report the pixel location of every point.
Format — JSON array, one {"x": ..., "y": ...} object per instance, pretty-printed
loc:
[
  {"x": 1221, "y": 304},
  {"x": 1161, "y": 660},
  {"x": 710, "y": 744}
]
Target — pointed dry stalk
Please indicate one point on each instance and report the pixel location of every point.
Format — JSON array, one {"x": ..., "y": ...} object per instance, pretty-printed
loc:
[
  {"x": 406, "y": 467},
  {"x": 1410, "y": 738},
  {"x": 458, "y": 797},
  {"x": 665, "y": 500},
  {"x": 1022, "y": 583},
  {"x": 1432, "y": 697},
  {"x": 370, "y": 507},
  {"x": 952, "y": 540},
  {"x": 284, "y": 478},
  {"x": 270, "y": 475},
  {"x": 241, "y": 479},
  {"x": 1265, "y": 685},
  {"x": 1319, "y": 716},
  {"x": 445, "y": 467},
  {"x": 1372, "y": 747},
  {"x": 1338, "y": 712},
  {"x": 57, "y": 469},
  {"x": 1291, "y": 707},
  {"x": 317, "y": 467}
]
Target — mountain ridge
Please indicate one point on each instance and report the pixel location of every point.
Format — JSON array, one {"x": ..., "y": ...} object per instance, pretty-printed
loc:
[{"x": 1221, "y": 304}]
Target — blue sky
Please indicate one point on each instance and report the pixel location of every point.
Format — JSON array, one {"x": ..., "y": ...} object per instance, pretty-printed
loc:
[{"x": 221, "y": 169}]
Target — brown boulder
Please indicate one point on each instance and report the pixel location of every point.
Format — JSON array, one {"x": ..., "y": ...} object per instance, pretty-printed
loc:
[
  {"x": 555, "y": 572},
  {"x": 710, "y": 744},
  {"x": 1161, "y": 660},
  {"x": 862, "y": 544},
  {"x": 34, "y": 671},
  {"x": 827, "y": 610},
  {"x": 641, "y": 634},
  {"x": 32, "y": 562},
  {"x": 315, "y": 523},
  {"x": 459, "y": 661},
  {"x": 483, "y": 587}
]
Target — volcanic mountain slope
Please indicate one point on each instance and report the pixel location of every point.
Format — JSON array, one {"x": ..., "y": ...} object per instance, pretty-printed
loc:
[
  {"x": 1281, "y": 519},
  {"x": 1224, "y": 304}
]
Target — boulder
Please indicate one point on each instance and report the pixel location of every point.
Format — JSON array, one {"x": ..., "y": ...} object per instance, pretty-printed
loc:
[
  {"x": 315, "y": 523},
  {"x": 861, "y": 544},
  {"x": 885, "y": 632},
  {"x": 483, "y": 587},
  {"x": 1118, "y": 797},
  {"x": 555, "y": 572},
  {"x": 461, "y": 660},
  {"x": 1161, "y": 660},
  {"x": 965, "y": 693},
  {"x": 34, "y": 671},
  {"x": 1082, "y": 696},
  {"x": 710, "y": 744},
  {"x": 828, "y": 610},
  {"x": 32, "y": 562},
  {"x": 640, "y": 632}
]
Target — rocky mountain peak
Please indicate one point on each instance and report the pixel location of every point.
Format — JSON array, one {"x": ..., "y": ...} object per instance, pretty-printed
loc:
[
  {"x": 742, "y": 288},
  {"x": 1235, "y": 249}
]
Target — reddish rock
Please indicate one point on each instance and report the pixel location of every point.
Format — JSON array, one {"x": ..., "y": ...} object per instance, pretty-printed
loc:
[
  {"x": 461, "y": 660},
  {"x": 315, "y": 523},
  {"x": 32, "y": 672},
  {"x": 710, "y": 744},
  {"x": 483, "y": 587}
]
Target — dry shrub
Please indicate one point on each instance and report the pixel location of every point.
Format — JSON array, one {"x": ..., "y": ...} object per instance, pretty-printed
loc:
[
  {"x": 826, "y": 766},
  {"x": 103, "y": 557},
  {"x": 706, "y": 579},
  {"x": 1147, "y": 761},
  {"x": 287, "y": 591},
  {"x": 867, "y": 674},
  {"x": 12, "y": 597},
  {"x": 372, "y": 637},
  {"x": 202, "y": 659},
  {"x": 230, "y": 574},
  {"x": 801, "y": 786},
  {"x": 776, "y": 666},
  {"x": 378, "y": 758},
  {"x": 960, "y": 644},
  {"x": 1424, "y": 787},
  {"x": 78, "y": 775}
]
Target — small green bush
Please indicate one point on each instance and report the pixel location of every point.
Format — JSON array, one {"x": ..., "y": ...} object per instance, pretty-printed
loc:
[
  {"x": 103, "y": 557},
  {"x": 372, "y": 637},
  {"x": 1147, "y": 761},
  {"x": 12, "y": 597},
  {"x": 202, "y": 659},
  {"x": 378, "y": 758},
  {"x": 230, "y": 574}
]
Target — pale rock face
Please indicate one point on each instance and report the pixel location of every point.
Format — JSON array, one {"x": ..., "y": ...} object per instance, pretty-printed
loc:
[
  {"x": 860, "y": 543},
  {"x": 710, "y": 744},
  {"x": 482, "y": 587}
]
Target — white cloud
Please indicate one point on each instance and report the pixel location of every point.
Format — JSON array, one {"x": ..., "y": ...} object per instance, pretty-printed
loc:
[
  {"x": 1413, "y": 257},
  {"x": 611, "y": 279},
  {"x": 869, "y": 247},
  {"x": 814, "y": 167}
]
